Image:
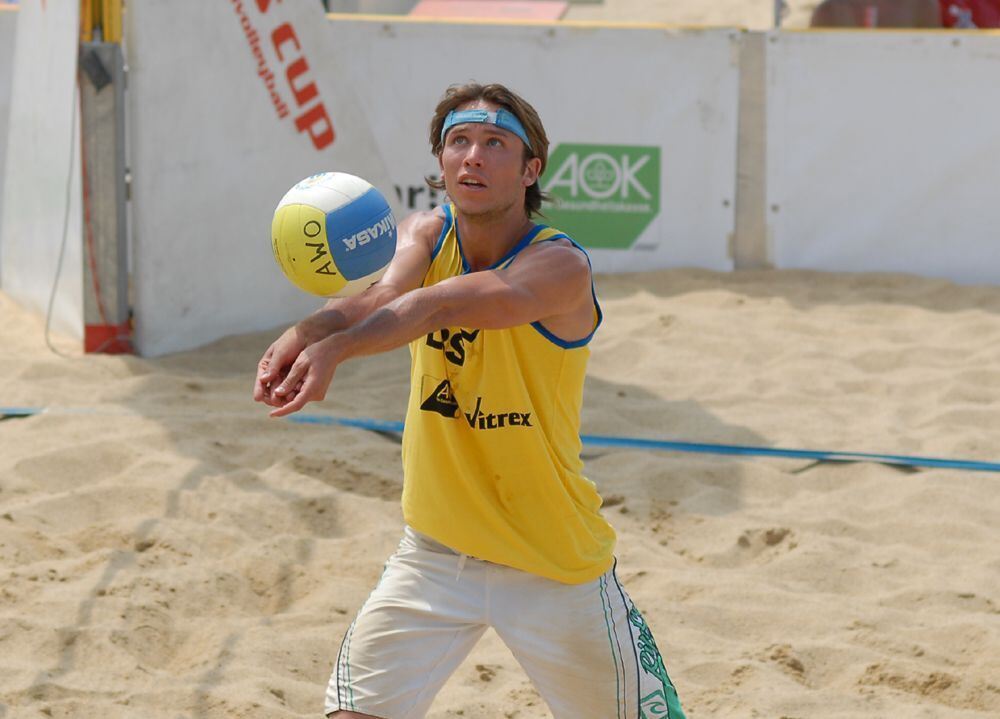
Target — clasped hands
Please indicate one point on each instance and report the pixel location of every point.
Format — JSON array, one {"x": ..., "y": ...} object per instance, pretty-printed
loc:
[{"x": 293, "y": 372}]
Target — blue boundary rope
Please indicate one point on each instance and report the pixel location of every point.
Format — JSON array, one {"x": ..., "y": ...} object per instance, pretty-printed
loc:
[{"x": 597, "y": 440}]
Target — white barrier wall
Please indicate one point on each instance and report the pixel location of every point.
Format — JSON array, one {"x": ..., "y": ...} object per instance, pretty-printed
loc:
[
  {"x": 642, "y": 123},
  {"x": 8, "y": 26},
  {"x": 218, "y": 137},
  {"x": 878, "y": 147},
  {"x": 41, "y": 156},
  {"x": 882, "y": 152},
  {"x": 230, "y": 103}
]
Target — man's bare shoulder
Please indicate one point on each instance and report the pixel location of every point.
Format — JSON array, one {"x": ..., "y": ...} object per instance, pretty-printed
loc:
[
  {"x": 423, "y": 227},
  {"x": 557, "y": 249},
  {"x": 560, "y": 260}
]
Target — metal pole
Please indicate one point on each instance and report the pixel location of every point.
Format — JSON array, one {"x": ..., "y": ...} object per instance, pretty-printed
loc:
[{"x": 106, "y": 304}]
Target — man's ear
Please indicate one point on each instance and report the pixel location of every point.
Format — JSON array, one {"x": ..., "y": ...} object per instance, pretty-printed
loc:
[{"x": 532, "y": 168}]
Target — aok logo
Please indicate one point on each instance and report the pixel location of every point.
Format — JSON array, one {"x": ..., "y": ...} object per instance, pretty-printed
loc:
[{"x": 603, "y": 195}]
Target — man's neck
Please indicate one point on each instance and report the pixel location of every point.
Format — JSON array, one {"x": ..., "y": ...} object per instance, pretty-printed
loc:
[{"x": 487, "y": 238}]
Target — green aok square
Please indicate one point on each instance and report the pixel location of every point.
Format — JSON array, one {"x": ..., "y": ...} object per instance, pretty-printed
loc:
[{"x": 602, "y": 195}]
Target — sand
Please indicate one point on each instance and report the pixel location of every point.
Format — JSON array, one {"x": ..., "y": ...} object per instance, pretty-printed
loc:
[{"x": 166, "y": 550}]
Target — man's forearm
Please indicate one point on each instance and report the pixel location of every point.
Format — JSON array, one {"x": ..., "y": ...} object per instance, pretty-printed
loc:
[
  {"x": 340, "y": 314},
  {"x": 394, "y": 324}
]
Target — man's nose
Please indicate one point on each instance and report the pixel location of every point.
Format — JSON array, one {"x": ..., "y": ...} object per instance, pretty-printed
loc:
[{"x": 474, "y": 155}]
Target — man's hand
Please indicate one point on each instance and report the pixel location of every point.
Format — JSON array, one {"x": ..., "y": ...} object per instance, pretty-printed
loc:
[
  {"x": 274, "y": 365},
  {"x": 308, "y": 378},
  {"x": 416, "y": 238}
]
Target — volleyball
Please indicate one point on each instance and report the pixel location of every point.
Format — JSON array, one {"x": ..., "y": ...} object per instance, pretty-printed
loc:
[{"x": 333, "y": 234}]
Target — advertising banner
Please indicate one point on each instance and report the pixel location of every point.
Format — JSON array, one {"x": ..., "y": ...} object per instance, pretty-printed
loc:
[
  {"x": 882, "y": 153},
  {"x": 230, "y": 104},
  {"x": 40, "y": 222},
  {"x": 642, "y": 124}
]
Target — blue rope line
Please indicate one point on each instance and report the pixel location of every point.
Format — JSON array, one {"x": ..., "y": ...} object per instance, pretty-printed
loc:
[
  {"x": 597, "y": 440},
  {"x": 20, "y": 411}
]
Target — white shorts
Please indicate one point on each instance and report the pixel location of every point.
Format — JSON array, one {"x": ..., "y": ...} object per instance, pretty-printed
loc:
[{"x": 585, "y": 647}]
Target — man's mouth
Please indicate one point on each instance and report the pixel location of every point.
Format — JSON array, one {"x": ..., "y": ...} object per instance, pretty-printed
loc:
[{"x": 471, "y": 182}]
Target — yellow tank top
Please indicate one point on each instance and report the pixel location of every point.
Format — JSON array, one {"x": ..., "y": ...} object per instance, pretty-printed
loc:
[{"x": 491, "y": 446}]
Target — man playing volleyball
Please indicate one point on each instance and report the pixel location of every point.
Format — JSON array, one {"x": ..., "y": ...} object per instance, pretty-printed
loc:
[{"x": 503, "y": 530}]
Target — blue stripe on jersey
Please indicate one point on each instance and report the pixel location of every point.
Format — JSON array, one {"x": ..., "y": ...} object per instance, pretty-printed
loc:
[
  {"x": 593, "y": 293},
  {"x": 525, "y": 241},
  {"x": 522, "y": 243},
  {"x": 509, "y": 257},
  {"x": 448, "y": 219}
]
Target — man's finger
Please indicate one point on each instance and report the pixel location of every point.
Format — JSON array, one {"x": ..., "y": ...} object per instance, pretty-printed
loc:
[
  {"x": 296, "y": 374},
  {"x": 306, "y": 390},
  {"x": 265, "y": 366},
  {"x": 260, "y": 391},
  {"x": 261, "y": 386},
  {"x": 293, "y": 406},
  {"x": 268, "y": 398}
]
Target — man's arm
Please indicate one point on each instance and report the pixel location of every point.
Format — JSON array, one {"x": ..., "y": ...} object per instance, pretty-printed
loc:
[
  {"x": 416, "y": 236},
  {"x": 553, "y": 281},
  {"x": 415, "y": 241}
]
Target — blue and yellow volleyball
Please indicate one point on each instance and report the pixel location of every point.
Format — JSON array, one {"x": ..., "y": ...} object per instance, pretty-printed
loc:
[{"x": 333, "y": 234}]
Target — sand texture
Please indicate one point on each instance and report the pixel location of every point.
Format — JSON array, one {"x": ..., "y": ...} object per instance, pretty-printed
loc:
[{"x": 168, "y": 551}]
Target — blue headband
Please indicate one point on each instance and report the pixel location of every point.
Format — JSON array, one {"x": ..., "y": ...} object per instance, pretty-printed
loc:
[{"x": 503, "y": 119}]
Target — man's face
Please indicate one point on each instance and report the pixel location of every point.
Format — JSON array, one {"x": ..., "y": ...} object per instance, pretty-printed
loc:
[{"x": 483, "y": 166}]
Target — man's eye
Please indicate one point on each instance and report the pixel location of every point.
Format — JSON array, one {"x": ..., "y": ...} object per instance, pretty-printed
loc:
[
  {"x": 495, "y": 142},
  {"x": 459, "y": 140}
]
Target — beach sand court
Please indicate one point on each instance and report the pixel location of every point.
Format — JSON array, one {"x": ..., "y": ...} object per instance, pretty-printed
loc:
[{"x": 166, "y": 550}]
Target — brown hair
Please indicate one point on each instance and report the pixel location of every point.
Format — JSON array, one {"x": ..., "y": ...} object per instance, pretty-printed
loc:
[{"x": 458, "y": 95}]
